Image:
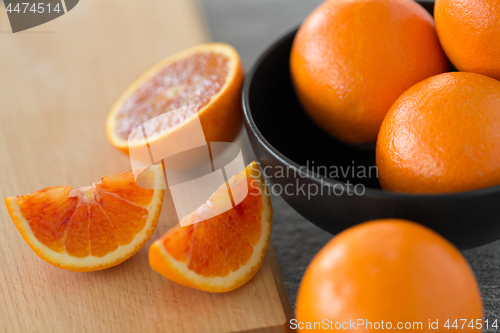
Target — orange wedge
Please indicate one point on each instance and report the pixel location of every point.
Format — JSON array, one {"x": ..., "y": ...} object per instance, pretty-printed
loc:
[
  {"x": 224, "y": 252},
  {"x": 207, "y": 76},
  {"x": 89, "y": 228}
]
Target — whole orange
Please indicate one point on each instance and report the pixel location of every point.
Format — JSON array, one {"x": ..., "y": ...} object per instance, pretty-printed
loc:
[
  {"x": 351, "y": 59},
  {"x": 469, "y": 32},
  {"x": 387, "y": 273},
  {"x": 442, "y": 135}
]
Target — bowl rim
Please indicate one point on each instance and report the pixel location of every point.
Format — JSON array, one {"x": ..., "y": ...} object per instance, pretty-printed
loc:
[{"x": 317, "y": 178}]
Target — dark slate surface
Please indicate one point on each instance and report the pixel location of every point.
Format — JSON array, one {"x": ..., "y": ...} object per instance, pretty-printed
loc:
[{"x": 251, "y": 25}]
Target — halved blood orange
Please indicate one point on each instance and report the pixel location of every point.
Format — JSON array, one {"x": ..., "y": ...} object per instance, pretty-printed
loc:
[
  {"x": 224, "y": 252},
  {"x": 89, "y": 228},
  {"x": 207, "y": 76}
]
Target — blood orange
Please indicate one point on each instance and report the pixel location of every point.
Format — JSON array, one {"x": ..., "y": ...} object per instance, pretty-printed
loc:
[
  {"x": 89, "y": 228},
  {"x": 224, "y": 252},
  {"x": 207, "y": 78}
]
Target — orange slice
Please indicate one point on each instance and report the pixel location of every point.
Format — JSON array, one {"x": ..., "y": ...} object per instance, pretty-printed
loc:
[
  {"x": 89, "y": 228},
  {"x": 224, "y": 252},
  {"x": 207, "y": 76}
]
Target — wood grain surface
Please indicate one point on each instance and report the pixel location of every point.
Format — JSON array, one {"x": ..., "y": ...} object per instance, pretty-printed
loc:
[{"x": 57, "y": 84}]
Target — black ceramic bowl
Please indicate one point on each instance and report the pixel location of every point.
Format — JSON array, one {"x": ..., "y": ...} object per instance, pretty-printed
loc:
[{"x": 287, "y": 142}]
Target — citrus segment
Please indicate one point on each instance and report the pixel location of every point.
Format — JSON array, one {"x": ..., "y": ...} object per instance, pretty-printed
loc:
[
  {"x": 89, "y": 228},
  {"x": 48, "y": 212},
  {"x": 221, "y": 253},
  {"x": 205, "y": 80}
]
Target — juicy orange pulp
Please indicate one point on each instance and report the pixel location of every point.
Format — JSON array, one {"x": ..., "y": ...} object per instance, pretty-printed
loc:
[
  {"x": 87, "y": 221},
  {"x": 205, "y": 79},
  {"x": 190, "y": 81},
  {"x": 227, "y": 239},
  {"x": 220, "y": 253},
  {"x": 88, "y": 228}
]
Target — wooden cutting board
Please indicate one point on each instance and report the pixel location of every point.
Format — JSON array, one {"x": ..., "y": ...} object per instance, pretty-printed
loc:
[{"x": 57, "y": 84}]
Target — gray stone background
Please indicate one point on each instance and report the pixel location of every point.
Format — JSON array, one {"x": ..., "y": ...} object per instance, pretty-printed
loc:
[{"x": 251, "y": 25}]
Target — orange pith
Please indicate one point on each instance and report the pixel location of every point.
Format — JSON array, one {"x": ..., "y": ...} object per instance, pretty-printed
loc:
[
  {"x": 192, "y": 80},
  {"x": 208, "y": 77},
  {"x": 88, "y": 228},
  {"x": 221, "y": 253}
]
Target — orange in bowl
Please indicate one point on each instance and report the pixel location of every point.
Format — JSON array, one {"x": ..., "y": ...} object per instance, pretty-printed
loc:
[
  {"x": 442, "y": 136},
  {"x": 387, "y": 272},
  {"x": 470, "y": 34},
  {"x": 351, "y": 59}
]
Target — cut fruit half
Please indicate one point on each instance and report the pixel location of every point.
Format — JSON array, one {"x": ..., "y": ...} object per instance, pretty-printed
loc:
[
  {"x": 224, "y": 252},
  {"x": 205, "y": 80},
  {"x": 89, "y": 228}
]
